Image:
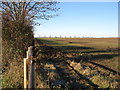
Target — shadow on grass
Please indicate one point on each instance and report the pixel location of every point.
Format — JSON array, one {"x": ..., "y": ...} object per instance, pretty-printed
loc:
[
  {"x": 49, "y": 42},
  {"x": 105, "y": 67},
  {"x": 103, "y": 56},
  {"x": 86, "y": 57},
  {"x": 68, "y": 82},
  {"x": 73, "y": 84},
  {"x": 95, "y": 57},
  {"x": 82, "y": 76},
  {"x": 91, "y": 59},
  {"x": 82, "y": 49},
  {"x": 72, "y": 47}
]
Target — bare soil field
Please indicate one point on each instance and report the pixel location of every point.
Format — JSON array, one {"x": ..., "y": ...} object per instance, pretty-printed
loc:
[{"x": 77, "y": 62}]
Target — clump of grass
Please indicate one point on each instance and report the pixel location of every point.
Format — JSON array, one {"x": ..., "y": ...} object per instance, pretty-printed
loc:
[
  {"x": 52, "y": 74},
  {"x": 104, "y": 82},
  {"x": 99, "y": 80},
  {"x": 40, "y": 81},
  {"x": 13, "y": 77},
  {"x": 114, "y": 84}
]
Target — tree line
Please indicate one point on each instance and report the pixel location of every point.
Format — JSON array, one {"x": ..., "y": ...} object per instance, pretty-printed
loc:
[{"x": 18, "y": 21}]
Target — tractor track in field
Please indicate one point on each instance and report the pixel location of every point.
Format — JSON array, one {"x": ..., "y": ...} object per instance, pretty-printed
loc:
[
  {"x": 106, "y": 68},
  {"x": 74, "y": 74},
  {"x": 72, "y": 77},
  {"x": 96, "y": 65}
]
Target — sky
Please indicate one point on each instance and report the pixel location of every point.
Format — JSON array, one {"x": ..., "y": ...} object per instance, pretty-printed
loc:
[{"x": 82, "y": 19}]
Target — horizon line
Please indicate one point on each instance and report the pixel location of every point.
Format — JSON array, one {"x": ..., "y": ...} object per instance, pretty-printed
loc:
[{"x": 75, "y": 37}]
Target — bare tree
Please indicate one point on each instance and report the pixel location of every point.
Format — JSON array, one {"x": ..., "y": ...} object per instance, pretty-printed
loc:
[
  {"x": 29, "y": 11},
  {"x": 18, "y": 19},
  {"x": 25, "y": 14}
]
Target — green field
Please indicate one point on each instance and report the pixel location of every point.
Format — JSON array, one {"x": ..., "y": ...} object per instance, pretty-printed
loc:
[
  {"x": 87, "y": 42},
  {"x": 105, "y": 49}
]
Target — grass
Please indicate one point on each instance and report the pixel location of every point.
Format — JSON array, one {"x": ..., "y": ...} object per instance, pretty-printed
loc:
[
  {"x": 104, "y": 50},
  {"x": 111, "y": 63},
  {"x": 94, "y": 60},
  {"x": 87, "y": 42},
  {"x": 13, "y": 77}
]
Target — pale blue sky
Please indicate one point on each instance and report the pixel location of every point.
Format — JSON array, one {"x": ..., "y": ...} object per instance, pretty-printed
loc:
[{"x": 97, "y": 19}]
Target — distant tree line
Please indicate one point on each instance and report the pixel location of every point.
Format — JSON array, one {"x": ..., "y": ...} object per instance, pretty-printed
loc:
[{"x": 63, "y": 37}]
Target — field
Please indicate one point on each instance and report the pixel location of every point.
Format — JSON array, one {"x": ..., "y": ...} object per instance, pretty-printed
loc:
[
  {"x": 105, "y": 48},
  {"x": 79, "y": 62}
]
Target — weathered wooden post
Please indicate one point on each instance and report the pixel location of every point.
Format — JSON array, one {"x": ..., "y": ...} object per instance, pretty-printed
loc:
[
  {"x": 29, "y": 83},
  {"x": 26, "y": 72}
]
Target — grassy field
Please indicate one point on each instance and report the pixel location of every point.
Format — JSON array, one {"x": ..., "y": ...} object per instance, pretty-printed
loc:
[
  {"x": 105, "y": 50},
  {"x": 78, "y": 62},
  {"x": 87, "y": 42}
]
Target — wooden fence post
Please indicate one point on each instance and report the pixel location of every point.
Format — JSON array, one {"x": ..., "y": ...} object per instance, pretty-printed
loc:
[
  {"x": 31, "y": 83},
  {"x": 32, "y": 68},
  {"x": 30, "y": 52},
  {"x": 25, "y": 73}
]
